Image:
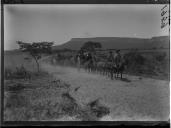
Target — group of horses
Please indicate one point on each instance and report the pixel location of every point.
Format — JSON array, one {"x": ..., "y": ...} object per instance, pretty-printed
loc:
[{"x": 91, "y": 63}]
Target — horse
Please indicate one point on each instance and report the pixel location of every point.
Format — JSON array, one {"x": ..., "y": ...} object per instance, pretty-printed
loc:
[
  {"x": 88, "y": 62},
  {"x": 115, "y": 67},
  {"x": 80, "y": 59},
  {"x": 88, "y": 65},
  {"x": 53, "y": 61},
  {"x": 78, "y": 63},
  {"x": 93, "y": 63},
  {"x": 100, "y": 67},
  {"x": 120, "y": 67},
  {"x": 110, "y": 69}
]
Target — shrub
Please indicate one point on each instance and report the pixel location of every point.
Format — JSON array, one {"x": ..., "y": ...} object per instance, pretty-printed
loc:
[
  {"x": 8, "y": 73},
  {"x": 20, "y": 73},
  {"x": 16, "y": 100},
  {"x": 15, "y": 87},
  {"x": 153, "y": 64},
  {"x": 160, "y": 56},
  {"x": 134, "y": 61},
  {"x": 134, "y": 57}
]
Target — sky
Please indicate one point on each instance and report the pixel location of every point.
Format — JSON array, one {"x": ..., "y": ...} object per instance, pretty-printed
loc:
[{"x": 60, "y": 23}]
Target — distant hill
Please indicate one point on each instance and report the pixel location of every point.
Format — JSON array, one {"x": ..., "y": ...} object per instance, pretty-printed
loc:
[
  {"x": 14, "y": 52},
  {"x": 160, "y": 42},
  {"x": 118, "y": 43},
  {"x": 111, "y": 43}
]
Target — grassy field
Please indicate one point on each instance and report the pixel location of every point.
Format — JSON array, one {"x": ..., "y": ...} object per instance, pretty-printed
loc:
[
  {"x": 43, "y": 97},
  {"x": 16, "y": 59}
]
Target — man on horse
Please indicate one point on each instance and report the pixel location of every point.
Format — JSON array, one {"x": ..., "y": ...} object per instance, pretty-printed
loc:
[
  {"x": 78, "y": 60},
  {"x": 89, "y": 61},
  {"x": 110, "y": 57},
  {"x": 118, "y": 61},
  {"x": 110, "y": 64},
  {"x": 117, "y": 58}
]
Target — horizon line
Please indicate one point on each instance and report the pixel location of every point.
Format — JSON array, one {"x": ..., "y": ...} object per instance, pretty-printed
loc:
[{"x": 98, "y": 37}]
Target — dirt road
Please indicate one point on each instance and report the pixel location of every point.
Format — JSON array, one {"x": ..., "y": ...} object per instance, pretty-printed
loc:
[{"x": 135, "y": 98}]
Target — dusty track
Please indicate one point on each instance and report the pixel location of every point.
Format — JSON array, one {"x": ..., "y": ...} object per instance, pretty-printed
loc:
[{"x": 133, "y": 99}]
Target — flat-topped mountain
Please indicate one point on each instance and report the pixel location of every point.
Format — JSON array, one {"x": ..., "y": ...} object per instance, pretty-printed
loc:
[{"x": 118, "y": 43}]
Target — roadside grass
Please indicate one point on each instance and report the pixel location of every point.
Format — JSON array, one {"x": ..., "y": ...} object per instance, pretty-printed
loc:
[
  {"x": 20, "y": 72},
  {"x": 45, "y": 98},
  {"x": 153, "y": 65}
]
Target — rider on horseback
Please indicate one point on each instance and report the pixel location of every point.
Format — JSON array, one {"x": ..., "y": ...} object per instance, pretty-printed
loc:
[
  {"x": 88, "y": 60},
  {"x": 89, "y": 57},
  {"x": 78, "y": 58},
  {"x": 117, "y": 58},
  {"x": 110, "y": 60},
  {"x": 120, "y": 63},
  {"x": 109, "y": 66},
  {"x": 110, "y": 57}
]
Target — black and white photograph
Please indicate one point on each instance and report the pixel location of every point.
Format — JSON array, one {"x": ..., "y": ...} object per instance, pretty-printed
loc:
[{"x": 86, "y": 62}]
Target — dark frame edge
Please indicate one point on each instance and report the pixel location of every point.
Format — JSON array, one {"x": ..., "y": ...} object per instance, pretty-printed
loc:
[
  {"x": 85, "y": 1},
  {"x": 2, "y": 63},
  {"x": 62, "y": 123},
  {"x": 87, "y": 123}
]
